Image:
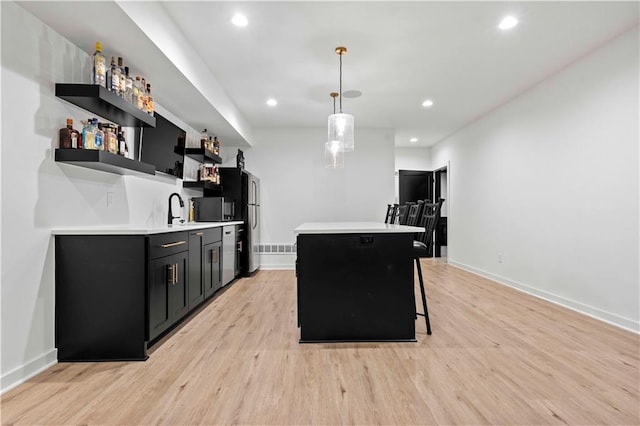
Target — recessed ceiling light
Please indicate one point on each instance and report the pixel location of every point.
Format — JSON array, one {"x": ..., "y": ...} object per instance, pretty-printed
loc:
[
  {"x": 428, "y": 103},
  {"x": 508, "y": 22},
  {"x": 239, "y": 20},
  {"x": 413, "y": 140},
  {"x": 272, "y": 102}
]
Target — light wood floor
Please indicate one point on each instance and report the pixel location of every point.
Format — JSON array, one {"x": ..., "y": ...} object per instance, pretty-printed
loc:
[{"x": 496, "y": 356}]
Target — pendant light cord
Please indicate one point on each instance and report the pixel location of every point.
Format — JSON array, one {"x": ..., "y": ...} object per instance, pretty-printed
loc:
[{"x": 340, "y": 82}]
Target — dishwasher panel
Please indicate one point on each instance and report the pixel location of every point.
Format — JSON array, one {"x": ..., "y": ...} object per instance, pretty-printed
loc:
[{"x": 228, "y": 254}]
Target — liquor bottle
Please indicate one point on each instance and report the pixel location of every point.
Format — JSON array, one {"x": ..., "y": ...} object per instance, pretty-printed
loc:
[
  {"x": 65, "y": 135},
  {"x": 204, "y": 137},
  {"x": 122, "y": 143},
  {"x": 141, "y": 89},
  {"x": 99, "y": 135},
  {"x": 89, "y": 135},
  {"x": 128, "y": 91},
  {"x": 149, "y": 100},
  {"x": 123, "y": 80},
  {"x": 113, "y": 77},
  {"x": 76, "y": 137},
  {"x": 98, "y": 67},
  {"x": 137, "y": 99},
  {"x": 216, "y": 146},
  {"x": 111, "y": 139}
]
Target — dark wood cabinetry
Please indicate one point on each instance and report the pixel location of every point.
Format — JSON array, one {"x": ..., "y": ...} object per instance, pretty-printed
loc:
[
  {"x": 204, "y": 264},
  {"x": 117, "y": 293}
]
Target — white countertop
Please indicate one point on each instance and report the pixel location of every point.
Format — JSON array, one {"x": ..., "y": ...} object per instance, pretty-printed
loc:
[
  {"x": 353, "y": 228},
  {"x": 138, "y": 229}
]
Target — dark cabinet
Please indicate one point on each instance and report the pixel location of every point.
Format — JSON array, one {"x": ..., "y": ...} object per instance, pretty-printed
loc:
[
  {"x": 196, "y": 260},
  {"x": 116, "y": 293},
  {"x": 168, "y": 292},
  {"x": 204, "y": 264}
]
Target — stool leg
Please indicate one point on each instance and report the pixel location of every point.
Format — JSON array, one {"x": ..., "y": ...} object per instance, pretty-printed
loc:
[{"x": 424, "y": 298}]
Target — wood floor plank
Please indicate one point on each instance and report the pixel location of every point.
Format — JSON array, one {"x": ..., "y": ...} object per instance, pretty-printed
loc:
[{"x": 496, "y": 356}]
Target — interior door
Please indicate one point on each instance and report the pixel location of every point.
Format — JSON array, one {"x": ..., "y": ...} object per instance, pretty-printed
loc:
[{"x": 415, "y": 185}]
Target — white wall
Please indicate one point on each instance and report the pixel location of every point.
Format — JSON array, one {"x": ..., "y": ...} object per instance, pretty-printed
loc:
[
  {"x": 39, "y": 194},
  {"x": 550, "y": 182},
  {"x": 296, "y": 187}
]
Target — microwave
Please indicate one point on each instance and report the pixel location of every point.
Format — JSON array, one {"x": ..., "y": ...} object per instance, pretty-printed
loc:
[{"x": 209, "y": 209}]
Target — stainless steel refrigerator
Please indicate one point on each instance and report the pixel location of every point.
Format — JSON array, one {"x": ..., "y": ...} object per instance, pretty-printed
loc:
[{"x": 243, "y": 190}]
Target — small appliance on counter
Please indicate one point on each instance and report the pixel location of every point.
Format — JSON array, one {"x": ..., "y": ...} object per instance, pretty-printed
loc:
[{"x": 209, "y": 209}]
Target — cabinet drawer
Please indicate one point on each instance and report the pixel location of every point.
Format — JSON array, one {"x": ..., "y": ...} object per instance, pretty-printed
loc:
[
  {"x": 212, "y": 235},
  {"x": 166, "y": 244}
]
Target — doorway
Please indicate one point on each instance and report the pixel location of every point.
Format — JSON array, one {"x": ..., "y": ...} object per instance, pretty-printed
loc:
[{"x": 414, "y": 185}]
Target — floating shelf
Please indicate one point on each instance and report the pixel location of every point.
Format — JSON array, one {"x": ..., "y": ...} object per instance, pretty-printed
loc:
[
  {"x": 201, "y": 185},
  {"x": 98, "y": 100},
  {"x": 202, "y": 155},
  {"x": 104, "y": 161}
]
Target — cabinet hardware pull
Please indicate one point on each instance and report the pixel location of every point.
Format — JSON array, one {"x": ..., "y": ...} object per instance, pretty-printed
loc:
[
  {"x": 199, "y": 233},
  {"x": 170, "y": 268},
  {"x": 177, "y": 243},
  {"x": 175, "y": 272}
]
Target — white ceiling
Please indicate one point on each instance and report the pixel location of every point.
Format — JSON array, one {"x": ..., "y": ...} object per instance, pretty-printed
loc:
[{"x": 399, "y": 53}]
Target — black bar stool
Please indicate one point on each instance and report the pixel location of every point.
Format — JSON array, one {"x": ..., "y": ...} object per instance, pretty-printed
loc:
[{"x": 428, "y": 221}]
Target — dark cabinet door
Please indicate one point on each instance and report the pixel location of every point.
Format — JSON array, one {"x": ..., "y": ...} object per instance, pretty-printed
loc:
[
  {"x": 160, "y": 276},
  {"x": 196, "y": 269},
  {"x": 179, "y": 295},
  {"x": 212, "y": 268}
]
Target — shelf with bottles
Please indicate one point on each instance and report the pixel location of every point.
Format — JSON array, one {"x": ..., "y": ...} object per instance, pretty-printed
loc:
[
  {"x": 205, "y": 185},
  {"x": 201, "y": 155},
  {"x": 103, "y": 160},
  {"x": 98, "y": 100}
]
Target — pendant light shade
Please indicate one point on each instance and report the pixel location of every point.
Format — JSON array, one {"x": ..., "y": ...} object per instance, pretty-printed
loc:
[
  {"x": 333, "y": 155},
  {"x": 341, "y": 125},
  {"x": 341, "y": 130}
]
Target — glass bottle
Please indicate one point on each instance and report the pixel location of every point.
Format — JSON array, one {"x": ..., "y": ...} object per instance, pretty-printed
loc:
[
  {"x": 113, "y": 77},
  {"x": 128, "y": 91},
  {"x": 216, "y": 146},
  {"x": 122, "y": 143},
  {"x": 204, "y": 137},
  {"x": 65, "y": 135},
  {"x": 149, "y": 100},
  {"x": 99, "y": 135},
  {"x": 141, "y": 89},
  {"x": 123, "y": 81},
  {"x": 89, "y": 135},
  {"x": 98, "y": 67},
  {"x": 136, "y": 92}
]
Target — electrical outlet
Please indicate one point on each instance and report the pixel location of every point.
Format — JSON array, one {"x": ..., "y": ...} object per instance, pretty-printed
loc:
[
  {"x": 109, "y": 199},
  {"x": 499, "y": 257}
]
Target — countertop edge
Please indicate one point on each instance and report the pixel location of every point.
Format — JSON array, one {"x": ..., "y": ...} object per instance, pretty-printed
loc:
[
  {"x": 138, "y": 230},
  {"x": 354, "y": 228}
]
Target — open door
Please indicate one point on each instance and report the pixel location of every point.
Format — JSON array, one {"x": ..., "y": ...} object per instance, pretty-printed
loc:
[{"x": 414, "y": 185}]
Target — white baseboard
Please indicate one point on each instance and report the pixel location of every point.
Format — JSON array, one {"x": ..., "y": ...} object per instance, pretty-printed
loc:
[
  {"x": 574, "y": 305},
  {"x": 21, "y": 374},
  {"x": 277, "y": 261}
]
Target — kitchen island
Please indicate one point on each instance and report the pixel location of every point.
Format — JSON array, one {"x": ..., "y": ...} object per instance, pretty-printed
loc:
[{"x": 355, "y": 282}]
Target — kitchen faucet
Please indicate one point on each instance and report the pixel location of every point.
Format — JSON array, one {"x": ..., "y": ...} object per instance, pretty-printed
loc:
[{"x": 170, "y": 216}]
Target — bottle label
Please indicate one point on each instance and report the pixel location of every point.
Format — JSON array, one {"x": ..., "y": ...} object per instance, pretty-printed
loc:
[
  {"x": 98, "y": 141},
  {"x": 89, "y": 140},
  {"x": 100, "y": 67},
  {"x": 74, "y": 140}
]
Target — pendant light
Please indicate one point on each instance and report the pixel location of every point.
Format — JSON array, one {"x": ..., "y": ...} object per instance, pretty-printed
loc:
[
  {"x": 341, "y": 124},
  {"x": 333, "y": 149}
]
